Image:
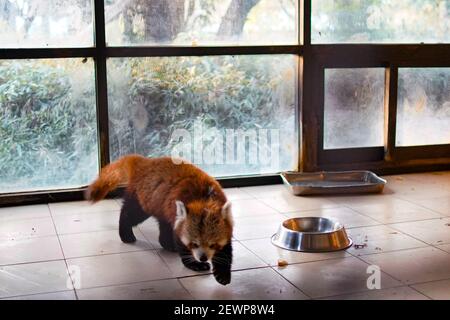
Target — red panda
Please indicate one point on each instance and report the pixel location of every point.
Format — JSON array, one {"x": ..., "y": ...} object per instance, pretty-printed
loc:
[{"x": 194, "y": 215}]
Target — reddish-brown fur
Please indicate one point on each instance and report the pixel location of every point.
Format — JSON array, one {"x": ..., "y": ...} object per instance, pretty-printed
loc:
[{"x": 158, "y": 182}]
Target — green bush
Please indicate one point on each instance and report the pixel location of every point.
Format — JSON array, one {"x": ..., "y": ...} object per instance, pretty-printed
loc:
[
  {"x": 46, "y": 132},
  {"x": 223, "y": 92}
]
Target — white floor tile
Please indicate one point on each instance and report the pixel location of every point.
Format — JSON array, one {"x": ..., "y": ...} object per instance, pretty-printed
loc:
[
  {"x": 269, "y": 191},
  {"x": 24, "y": 212},
  {"x": 435, "y": 232},
  {"x": 151, "y": 290},
  {"x": 236, "y": 194},
  {"x": 27, "y": 228},
  {"x": 413, "y": 266},
  {"x": 30, "y": 250},
  {"x": 61, "y": 295},
  {"x": 439, "y": 205},
  {"x": 100, "y": 242},
  {"x": 286, "y": 204},
  {"x": 332, "y": 277},
  {"x": 123, "y": 268},
  {"x": 255, "y": 284},
  {"x": 250, "y": 208},
  {"x": 256, "y": 227},
  {"x": 394, "y": 210},
  {"x": 80, "y": 207},
  {"x": 436, "y": 290},
  {"x": 95, "y": 221},
  {"x": 379, "y": 239},
  {"x": 399, "y": 293},
  {"x": 32, "y": 278}
]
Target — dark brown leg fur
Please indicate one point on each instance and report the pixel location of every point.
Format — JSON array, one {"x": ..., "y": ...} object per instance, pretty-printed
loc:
[{"x": 131, "y": 215}]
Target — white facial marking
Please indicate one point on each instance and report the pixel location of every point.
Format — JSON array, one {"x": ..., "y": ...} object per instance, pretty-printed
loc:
[
  {"x": 226, "y": 212},
  {"x": 181, "y": 213}
]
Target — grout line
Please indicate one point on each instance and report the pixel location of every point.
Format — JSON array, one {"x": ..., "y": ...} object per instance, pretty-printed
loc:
[
  {"x": 163, "y": 279},
  {"x": 422, "y": 293},
  {"x": 36, "y": 294},
  {"x": 390, "y": 251},
  {"x": 186, "y": 289},
  {"x": 62, "y": 252},
  {"x": 401, "y": 283},
  {"x": 412, "y": 236},
  {"x": 30, "y": 262},
  {"x": 109, "y": 254},
  {"x": 442, "y": 244},
  {"x": 384, "y": 223},
  {"x": 291, "y": 283}
]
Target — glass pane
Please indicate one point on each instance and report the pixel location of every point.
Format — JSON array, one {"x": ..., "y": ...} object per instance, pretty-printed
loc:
[
  {"x": 423, "y": 106},
  {"x": 48, "y": 133},
  {"x": 46, "y": 23},
  {"x": 231, "y": 115},
  {"x": 354, "y": 108},
  {"x": 380, "y": 21},
  {"x": 201, "y": 22}
]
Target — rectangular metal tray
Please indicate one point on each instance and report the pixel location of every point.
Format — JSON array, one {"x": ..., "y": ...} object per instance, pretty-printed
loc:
[{"x": 333, "y": 182}]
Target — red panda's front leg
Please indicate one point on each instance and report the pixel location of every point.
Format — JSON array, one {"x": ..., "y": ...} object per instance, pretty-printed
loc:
[{"x": 221, "y": 262}]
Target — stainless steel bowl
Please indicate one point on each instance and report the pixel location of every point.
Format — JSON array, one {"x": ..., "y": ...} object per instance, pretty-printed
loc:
[{"x": 311, "y": 234}]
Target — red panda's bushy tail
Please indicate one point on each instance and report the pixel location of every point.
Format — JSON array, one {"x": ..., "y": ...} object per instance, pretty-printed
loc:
[{"x": 111, "y": 176}]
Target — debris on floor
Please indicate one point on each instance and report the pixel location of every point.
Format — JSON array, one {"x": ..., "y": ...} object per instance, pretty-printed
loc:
[
  {"x": 282, "y": 263},
  {"x": 360, "y": 246}
]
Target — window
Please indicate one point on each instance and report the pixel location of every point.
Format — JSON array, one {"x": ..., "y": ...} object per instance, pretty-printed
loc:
[
  {"x": 238, "y": 111},
  {"x": 354, "y": 108},
  {"x": 46, "y": 24},
  {"x": 381, "y": 21},
  {"x": 194, "y": 23},
  {"x": 423, "y": 106},
  {"x": 242, "y": 88},
  {"x": 48, "y": 133}
]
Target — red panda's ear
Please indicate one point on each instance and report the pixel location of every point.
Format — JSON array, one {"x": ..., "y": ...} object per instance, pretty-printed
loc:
[
  {"x": 226, "y": 212},
  {"x": 181, "y": 212}
]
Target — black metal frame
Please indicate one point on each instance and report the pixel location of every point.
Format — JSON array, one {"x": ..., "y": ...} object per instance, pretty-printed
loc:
[{"x": 313, "y": 60}]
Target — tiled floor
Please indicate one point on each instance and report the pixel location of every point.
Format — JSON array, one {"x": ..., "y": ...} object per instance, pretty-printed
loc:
[{"x": 406, "y": 231}]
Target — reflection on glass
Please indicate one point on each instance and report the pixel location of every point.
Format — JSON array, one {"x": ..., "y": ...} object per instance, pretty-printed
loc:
[
  {"x": 380, "y": 21},
  {"x": 46, "y": 23},
  {"x": 48, "y": 135},
  {"x": 230, "y": 115},
  {"x": 354, "y": 108},
  {"x": 200, "y": 22},
  {"x": 423, "y": 106}
]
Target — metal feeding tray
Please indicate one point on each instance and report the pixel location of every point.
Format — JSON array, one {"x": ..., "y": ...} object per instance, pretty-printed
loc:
[
  {"x": 311, "y": 234},
  {"x": 333, "y": 182}
]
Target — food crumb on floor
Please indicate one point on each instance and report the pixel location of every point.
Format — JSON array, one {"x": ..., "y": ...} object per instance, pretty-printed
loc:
[
  {"x": 360, "y": 246},
  {"x": 282, "y": 263}
]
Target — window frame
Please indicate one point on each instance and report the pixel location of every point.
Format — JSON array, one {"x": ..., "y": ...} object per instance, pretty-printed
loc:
[{"x": 313, "y": 60}]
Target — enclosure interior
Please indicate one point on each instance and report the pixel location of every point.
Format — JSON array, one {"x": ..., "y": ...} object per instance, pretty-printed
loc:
[{"x": 244, "y": 89}]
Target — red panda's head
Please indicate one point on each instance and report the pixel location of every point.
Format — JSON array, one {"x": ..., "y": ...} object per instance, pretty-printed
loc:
[{"x": 204, "y": 226}]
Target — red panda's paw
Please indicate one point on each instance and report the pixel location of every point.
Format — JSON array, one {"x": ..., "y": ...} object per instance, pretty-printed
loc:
[
  {"x": 198, "y": 266},
  {"x": 223, "y": 276}
]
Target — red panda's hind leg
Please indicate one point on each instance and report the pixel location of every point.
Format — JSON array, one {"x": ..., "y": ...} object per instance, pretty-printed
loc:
[
  {"x": 166, "y": 236},
  {"x": 131, "y": 215}
]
